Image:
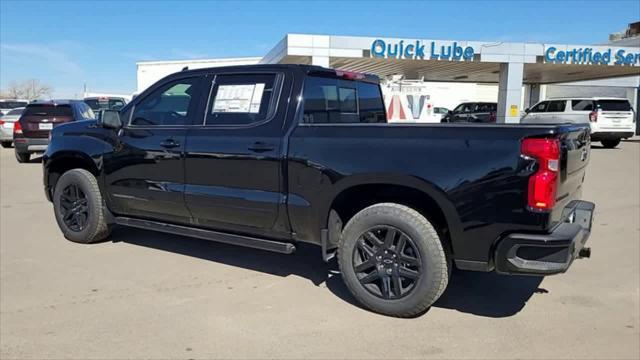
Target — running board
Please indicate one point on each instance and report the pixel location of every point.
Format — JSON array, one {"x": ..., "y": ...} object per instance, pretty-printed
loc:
[{"x": 256, "y": 243}]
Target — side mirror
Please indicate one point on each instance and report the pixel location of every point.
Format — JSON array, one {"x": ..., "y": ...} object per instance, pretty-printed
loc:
[{"x": 110, "y": 119}]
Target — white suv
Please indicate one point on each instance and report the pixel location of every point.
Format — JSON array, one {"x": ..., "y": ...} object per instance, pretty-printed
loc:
[{"x": 611, "y": 119}]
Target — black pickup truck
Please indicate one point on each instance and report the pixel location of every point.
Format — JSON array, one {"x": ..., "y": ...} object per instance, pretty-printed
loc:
[{"x": 269, "y": 156}]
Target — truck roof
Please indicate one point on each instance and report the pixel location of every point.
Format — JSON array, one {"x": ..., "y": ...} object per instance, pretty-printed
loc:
[{"x": 309, "y": 69}]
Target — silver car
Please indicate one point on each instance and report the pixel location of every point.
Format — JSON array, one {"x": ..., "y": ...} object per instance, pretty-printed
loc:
[{"x": 6, "y": 126}]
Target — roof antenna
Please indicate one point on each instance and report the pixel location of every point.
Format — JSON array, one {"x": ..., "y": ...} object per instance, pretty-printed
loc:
[{"x": 185, "y": 68}]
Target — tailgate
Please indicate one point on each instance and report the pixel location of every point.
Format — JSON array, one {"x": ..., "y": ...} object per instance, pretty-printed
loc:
[
  {"x": 615, "y": 119},
  {"x": 614, "y": 114},
  {"x": 38, "y": 120},
  {"x": 575, "y": 147}
]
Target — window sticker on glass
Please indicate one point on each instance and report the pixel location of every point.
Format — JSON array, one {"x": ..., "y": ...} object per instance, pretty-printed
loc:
[{"x": 238, "y": 98}]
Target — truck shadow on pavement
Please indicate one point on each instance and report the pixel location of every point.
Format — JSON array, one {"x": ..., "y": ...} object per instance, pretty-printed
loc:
[{"x": 482, "y": 294}]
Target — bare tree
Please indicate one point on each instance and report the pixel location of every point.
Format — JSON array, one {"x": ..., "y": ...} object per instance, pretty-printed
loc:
[{"x": 29, "y": 89}]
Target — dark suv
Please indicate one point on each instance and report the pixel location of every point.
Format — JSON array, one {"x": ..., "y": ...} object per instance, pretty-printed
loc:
[
  {"x": 31, "y": 132},
  {"x": 475, "y": 112}
]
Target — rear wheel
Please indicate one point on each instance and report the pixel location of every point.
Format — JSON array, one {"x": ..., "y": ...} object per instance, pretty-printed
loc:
[
  {"x": 392, "y": 260},
  {"x": 610, "y": 144},
  {"x": 6, "y": 144},
  {"x": 79, "y": 208},
  {"x": 22, "y": 157}
]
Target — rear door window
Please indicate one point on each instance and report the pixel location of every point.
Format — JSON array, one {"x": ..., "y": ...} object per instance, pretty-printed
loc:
[
  {"x": 613, "y": 105},
  {"x": 556, "y": 106},
  {"x": 242, "y": 99},
  {"x": 48, "y": 110},
  {"x": 484, "y": 107},
  {"x": 582, "y": 105}
]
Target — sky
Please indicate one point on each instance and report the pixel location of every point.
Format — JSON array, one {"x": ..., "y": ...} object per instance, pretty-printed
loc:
[{"x": 69, "y": 44}]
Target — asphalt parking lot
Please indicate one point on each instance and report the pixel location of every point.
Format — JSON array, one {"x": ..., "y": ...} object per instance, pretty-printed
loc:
[{"x": 152, "y": 295}]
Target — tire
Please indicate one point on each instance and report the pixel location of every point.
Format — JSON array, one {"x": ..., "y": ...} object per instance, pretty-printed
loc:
[
  {"x": 429, "y": 258},
  {"x": 6, "y": 144},
  {"x": 22, "y": 157},
  {"x": 610, "y": 144},
  {"x": 90, "y": 225}
]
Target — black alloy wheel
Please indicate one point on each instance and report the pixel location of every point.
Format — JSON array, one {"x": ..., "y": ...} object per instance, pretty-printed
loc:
[
  {"x": 74, "y": 207},
  {"x": 387, "y": 262}
]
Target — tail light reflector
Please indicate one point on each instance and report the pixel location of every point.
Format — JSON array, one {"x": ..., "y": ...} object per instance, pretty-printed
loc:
[
  {"x": 350, "y": 75},
  {"x": 593, "y": 116},
  {"x": 2, "y": 122},
  {"x": 543, "y": 185},
  {"x": 492, "y": 116},
  {"x": 17, "y": 128}
]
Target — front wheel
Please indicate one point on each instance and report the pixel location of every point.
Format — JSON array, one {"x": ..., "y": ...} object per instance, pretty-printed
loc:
[
  {"x": 610, "y": 144},
  {"x": 78, "y": 207},
  {"x": 392, "y": 260}
]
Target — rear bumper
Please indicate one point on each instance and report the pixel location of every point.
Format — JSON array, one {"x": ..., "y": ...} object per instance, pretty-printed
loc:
[
  {"x": 547, "y": 254},
  {"x": 611, "y": 135},
  {"x": 6, "y": 134},
  {"x": 30, "y": 145}
]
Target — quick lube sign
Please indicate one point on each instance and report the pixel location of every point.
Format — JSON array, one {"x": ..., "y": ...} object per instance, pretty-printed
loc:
[
  {"x": 591, "y": 56},
  {"x": 417, "y": 50}
]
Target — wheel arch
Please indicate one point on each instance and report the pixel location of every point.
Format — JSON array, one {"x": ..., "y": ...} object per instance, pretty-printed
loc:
[
  {"x": 356, "y": 193},
  {"x": 61, "y": 162}
]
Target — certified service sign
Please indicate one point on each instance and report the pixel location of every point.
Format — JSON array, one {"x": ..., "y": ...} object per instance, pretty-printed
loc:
[{"x": 591, "y": 56}]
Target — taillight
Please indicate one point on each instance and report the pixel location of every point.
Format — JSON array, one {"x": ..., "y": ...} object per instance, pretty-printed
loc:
[
  {"x": 2, "y": 122},
  {"x": 492, "y": 116},
  {"x": 543, "y": 185},
  {"x": 593, "y": 116},
  {"x": 17, "y": 128}
]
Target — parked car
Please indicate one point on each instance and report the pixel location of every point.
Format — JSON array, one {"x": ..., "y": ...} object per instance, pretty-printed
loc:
[
  {"x": 99, "y": 103},
  {"x": 31, "y": 132},
  {"x": 271, "y": 156},
  {"x": 6, "y": 126},
  {"x": 475, "y": 112},
  {"x": 611, "y": 119},
  {"x": 8, "y": 104}
]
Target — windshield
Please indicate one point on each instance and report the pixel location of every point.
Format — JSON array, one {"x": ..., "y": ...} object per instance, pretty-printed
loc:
[
  {"x": 9, "y": 104},
  {"x": 613, "y": 105},
  {"x": 105, "y": 103},
  {"x": 48, "y": 110}
]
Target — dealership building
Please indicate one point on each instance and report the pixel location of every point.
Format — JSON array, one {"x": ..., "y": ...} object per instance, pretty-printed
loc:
[{"x": 444, "y": 73}]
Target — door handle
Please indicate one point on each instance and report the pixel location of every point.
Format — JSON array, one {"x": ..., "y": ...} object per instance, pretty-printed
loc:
[
  {"x": 260, "y": 146},
  {"x": 169, "y": 143}
]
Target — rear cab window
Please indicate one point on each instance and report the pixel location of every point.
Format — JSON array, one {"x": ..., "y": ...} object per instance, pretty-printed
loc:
[{"x": 330, "y": 100}]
